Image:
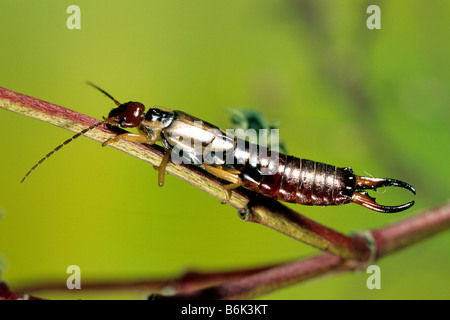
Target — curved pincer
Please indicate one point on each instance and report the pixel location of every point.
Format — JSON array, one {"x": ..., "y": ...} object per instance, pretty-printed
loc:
[{"x": 362, "y": 198}]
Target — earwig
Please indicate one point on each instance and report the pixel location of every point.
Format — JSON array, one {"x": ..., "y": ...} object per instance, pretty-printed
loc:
[{"x": 239, "y": 162}]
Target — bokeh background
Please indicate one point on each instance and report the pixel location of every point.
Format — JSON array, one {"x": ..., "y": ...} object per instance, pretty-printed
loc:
[{"x": 375, "y": 100}]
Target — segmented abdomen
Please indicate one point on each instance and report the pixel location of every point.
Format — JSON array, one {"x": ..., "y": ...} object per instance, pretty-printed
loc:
[{"x": 295, "y": 180}]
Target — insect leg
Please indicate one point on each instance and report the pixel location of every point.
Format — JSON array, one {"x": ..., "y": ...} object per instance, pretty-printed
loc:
[
  {"x": 162, "y": 168},
  {"x": 133, "y": 137},
  {"x": 228, "y": 175}
]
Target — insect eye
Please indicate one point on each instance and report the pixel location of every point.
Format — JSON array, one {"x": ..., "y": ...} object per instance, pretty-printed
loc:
[{"x": 122, "y": 122}]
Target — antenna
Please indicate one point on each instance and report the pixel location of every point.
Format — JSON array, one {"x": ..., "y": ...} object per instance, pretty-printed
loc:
[
  {"x": 104, "y": 92},
  {"x": 76, "y": 135},
  {"x": 60, "y": 146}
]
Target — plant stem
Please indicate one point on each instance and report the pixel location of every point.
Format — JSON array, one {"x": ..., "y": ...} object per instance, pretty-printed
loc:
[
  {"x": 251, "y": 283},
  {"x": 385, "y": 240},
  {"x": 275, "y": 215}
]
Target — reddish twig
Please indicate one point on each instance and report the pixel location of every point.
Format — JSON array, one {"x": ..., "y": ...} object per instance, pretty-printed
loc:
[
  {"x": 385, "y": 241},
  {"x": 250, "y": 283},
  {"x": 7, "y": 294},
  {"x": 190, "y": 281},
  {"x": 275, "y": 215}
]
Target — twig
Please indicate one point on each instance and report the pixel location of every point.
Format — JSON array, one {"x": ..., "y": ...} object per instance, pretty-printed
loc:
[
  {"x": 412, "y": 230},
  {"x": 385, "y": 241},
  {"x": 251, "y": 283},
  {"x": 7, "y": 294},
  {"x": 189, "y": 281},
  {"x": 262, "y": 210},
  {"x": 281, "y": 218}
]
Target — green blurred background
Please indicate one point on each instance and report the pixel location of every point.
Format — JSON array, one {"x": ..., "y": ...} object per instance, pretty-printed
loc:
[{"x": 375, "y": 100}]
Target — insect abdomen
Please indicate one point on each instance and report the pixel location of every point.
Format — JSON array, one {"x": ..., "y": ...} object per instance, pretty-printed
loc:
[{"x": 300, "y": 181}]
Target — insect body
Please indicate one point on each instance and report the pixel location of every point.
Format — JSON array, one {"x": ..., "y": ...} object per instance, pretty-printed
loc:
[{"x": 241, "y": 163}]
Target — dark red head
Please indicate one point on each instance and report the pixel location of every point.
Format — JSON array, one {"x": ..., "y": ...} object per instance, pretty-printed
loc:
[{"x": 127, "y": 115}]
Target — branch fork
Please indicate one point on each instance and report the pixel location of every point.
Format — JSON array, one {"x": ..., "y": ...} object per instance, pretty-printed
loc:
[{"x": 342, "y": 252}]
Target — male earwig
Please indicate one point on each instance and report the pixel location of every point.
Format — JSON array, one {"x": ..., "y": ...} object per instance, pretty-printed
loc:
[{"x": 291, "y": 179}]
